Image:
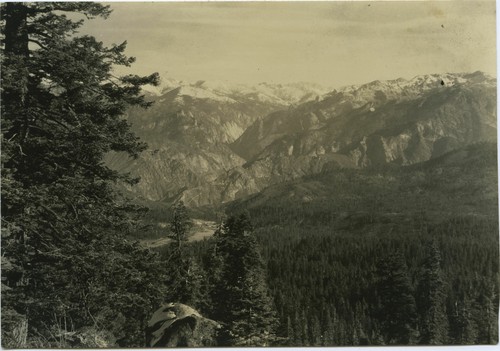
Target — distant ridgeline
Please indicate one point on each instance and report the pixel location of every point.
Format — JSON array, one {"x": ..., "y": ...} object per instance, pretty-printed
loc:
[{"x": 210, "y": 144}]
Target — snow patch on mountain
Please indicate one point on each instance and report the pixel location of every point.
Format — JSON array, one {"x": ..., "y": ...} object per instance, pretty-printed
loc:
[{"x": 203, "y": 93}]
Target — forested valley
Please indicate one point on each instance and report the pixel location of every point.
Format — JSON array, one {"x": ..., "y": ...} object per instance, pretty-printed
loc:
[
  {"x": 382, "y": 255},
  {"x": 416, "y": 262}
]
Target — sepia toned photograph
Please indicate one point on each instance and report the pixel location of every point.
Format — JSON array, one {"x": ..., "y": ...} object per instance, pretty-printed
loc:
[{"x": 248, "y": 174}]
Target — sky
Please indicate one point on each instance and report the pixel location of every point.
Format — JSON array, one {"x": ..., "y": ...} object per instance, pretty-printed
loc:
[{"x": 332, "y": 43}]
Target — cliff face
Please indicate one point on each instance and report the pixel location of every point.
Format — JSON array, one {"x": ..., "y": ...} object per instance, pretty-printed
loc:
[
  {"x": 428, "y": 127},
  {"x": 210, "y": 150},
  {"x": 460, "y": 105},
  {"x": 168, "y": 171},
  {"x": 188, "y": 131}
]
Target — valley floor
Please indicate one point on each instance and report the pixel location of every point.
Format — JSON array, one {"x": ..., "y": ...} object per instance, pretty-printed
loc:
[{"x": 202, "y": 229}]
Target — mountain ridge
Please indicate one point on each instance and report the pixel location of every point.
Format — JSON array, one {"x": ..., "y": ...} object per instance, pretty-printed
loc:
[
  {"x": 196, "y": 154},
  {"x": 285, "y": 94}
]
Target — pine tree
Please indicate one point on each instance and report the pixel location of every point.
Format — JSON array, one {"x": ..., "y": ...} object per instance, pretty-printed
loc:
[
  {"x": 328, "y": 329},
  {"x": 63, "y": 224},
  {"x": 289, "y": 331},
  {"x": 184, "y": 274},
  {"x": 431, "y": 301},
  {"x": 397, "y": 304},
  {"x": 463, "y": 327},
  {"x": 488, "y": 313},
  {"x": 180, "y": 226},
  {"x": 315, "y": 335},
  {"x": 304, "y": 326},
  {"x": 240, "y": 295},
  {"x": 298, "y": 330}
]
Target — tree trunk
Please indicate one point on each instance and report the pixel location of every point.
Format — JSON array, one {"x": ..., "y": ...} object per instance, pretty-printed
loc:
[
  {"x": 16, "y": 29},
  {"x": 16, "y": 76}
]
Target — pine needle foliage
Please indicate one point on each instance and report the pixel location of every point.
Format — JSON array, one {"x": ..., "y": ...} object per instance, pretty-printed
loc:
[
  {"x": 240, "y": 295},
  {"x": 67, "y": 262}
]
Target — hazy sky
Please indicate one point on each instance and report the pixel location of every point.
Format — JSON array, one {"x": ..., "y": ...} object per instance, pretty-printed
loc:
[{"x": 331, "y": 43}]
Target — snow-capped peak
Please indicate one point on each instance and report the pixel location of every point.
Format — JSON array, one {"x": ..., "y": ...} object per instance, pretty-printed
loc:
[
  {"x": 406, "y": 88},
  {"x": 282, "y": 94}
]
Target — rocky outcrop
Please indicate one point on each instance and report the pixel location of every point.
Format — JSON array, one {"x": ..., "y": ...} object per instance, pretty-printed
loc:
[{"x": 178, "y": 325}]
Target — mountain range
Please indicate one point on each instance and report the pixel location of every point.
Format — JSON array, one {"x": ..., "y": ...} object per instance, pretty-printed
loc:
[{"x": 211, "y": 143}]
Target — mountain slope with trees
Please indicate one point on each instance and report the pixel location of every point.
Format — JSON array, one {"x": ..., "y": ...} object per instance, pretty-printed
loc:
[
  {"x": 462, "y": 181},
  {"x": 343, "y": 247}
]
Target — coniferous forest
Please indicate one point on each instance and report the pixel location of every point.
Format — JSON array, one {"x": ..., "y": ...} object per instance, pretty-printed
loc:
[{"x": 382, "y": 255}]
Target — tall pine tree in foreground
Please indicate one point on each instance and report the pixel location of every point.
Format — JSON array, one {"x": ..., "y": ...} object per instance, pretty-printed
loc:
[
  {"x": 240, "y": 295},
  {"x": 66, "y": 266}
]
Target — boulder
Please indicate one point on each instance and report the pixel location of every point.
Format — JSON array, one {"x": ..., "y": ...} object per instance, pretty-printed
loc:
[{"x": 178, "y": 325}]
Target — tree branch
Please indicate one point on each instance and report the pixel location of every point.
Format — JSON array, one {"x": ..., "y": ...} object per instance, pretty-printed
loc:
[{"x": 38, "y": 43}]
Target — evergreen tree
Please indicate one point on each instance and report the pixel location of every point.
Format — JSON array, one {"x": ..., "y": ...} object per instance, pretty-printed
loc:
[
  {"x": 289, "y": 331},
  {"x": 315, "y": 335},
  {"x": 397, "y": 304},
  {"x": 328, "y": 329},
  {"x": 431, "y": 301},
  {"x": 184, "y": 274},
  {"x": 488, "y": 317},
  {"x": 298, "y": 330},
  {"x": 240, "y": 296},
  {"x": 180, "y": 226},
  {"x": 463, "y": 327},
  {"x": 67, "y": 263},
  {"x": 304, "y": 326}
]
